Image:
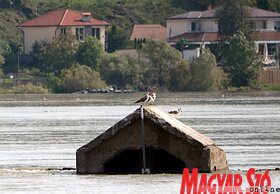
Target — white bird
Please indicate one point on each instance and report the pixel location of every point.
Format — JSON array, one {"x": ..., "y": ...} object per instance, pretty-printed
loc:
[
  {"x": 144, "y": 99},
  {"x": 175, "y": 113},
  {"x": 152, "y": 99}
]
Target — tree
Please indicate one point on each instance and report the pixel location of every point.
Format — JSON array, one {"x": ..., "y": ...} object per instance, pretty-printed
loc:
[
  {"x": 11, "y": 54},
  {"x": 59, "y": 54},
  {"x": 205, "y": 75},
  {"x": 38, "y": 52},
  {"x": 232, "y": 17},
  {"x": 76, "y": 78},
  {"x": 181, "y": 45},
  {"x": 162, "y": 60},
  {"x": 90, "y": 52},
  {"x": 2, "y": 60},
  {"x": 241, "y": 61},
  {"x": 120, "y": 70},
  {"x": 117, "y": 39}
]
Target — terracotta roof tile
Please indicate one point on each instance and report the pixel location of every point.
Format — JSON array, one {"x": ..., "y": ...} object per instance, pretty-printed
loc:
[
  {"x": 149, "y": 31},
  {"x": 197, "y": 37},
  {"x": 267, "y": 36},
  {"x": 61, "y": 17}
]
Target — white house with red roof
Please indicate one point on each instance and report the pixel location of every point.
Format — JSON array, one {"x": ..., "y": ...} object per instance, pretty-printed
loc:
[
  {"x": 201, "y": 28},
  {"x": 61, "y": 22}
]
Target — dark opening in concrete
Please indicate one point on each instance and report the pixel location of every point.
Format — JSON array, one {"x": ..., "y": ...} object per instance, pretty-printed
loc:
[{"x": 131, "y": 162}]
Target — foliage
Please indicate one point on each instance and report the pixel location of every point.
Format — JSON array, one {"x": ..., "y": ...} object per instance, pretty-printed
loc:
[
  {"x": 205, "y": 73},
  {"x": 76, "y": 78},
  {"x": 59, "y": 54},
  {"x": 162, "y": 60},
  {"x": 232, "y": 18},
  {"x": 121, "y": 71},
  {"x": 38, "y": 52},
  {"x": 117, "y": 38},
  {"x": 241, "y": 61},
  {"x": 181, "y": 45},
  {"x": 89, "y": 52},
  {"x": 180, "y": 77},
  {"x": 2, "y": 60},
  {"x": 11, "y": 56},
  {"x": 29, "y": 88}
]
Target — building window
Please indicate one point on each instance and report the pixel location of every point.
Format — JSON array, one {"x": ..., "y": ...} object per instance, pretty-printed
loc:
[
  {"x": 193, "y": 29},
  {"x": 271, "y": 48},
  {"x": 96, "y": 33},
  {"x": 80, "y": 33},
  {"x": 277, "y": 25},
  {"x": 63, "y": 31},
  {"x": 264, "y": 25}
]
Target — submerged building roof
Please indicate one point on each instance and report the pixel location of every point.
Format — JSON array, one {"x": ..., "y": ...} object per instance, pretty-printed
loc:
[{"x": 162, "y": 132}]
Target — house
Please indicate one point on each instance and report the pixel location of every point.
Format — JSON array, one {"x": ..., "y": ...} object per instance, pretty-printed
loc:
[
  {"x": 62, "y": 22},
  {"x": 200, "y": 28},
  {"x": 143, "y": 32},
  {"x": 119, "y": 149}
]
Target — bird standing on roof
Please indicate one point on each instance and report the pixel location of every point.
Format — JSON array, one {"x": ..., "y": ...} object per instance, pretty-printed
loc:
[
  {"x": 175, "y": 113},
  {"x": 152, "y": 99},
  {"x": 144, "y": 99},
  {"x": 147, "y": 99}
]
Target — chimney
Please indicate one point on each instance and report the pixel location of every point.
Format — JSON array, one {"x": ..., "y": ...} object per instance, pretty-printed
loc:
[
  {"x": 86, "y": 16},
  {"x": 209, "y": 7}
]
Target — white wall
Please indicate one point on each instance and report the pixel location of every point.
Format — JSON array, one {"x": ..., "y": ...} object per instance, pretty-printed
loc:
[{"x": 31, "y": 34}]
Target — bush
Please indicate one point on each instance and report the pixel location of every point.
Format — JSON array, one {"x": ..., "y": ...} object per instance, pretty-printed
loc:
[
  {"x": 120, "y": 70},
  {"x": 29, "y": 88},
  {"x": 76, "y": 78},
  {"x": 205, "y": 73}
]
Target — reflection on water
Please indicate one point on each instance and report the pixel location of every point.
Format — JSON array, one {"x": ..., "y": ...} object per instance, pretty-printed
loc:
[{"x": 43, "y": 132}]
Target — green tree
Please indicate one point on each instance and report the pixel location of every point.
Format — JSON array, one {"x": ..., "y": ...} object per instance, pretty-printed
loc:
[
  {"x": 241, "y": 61},
  {"x": 162, "y": 60},
  {"x": 273, "y": 5},
  {"x": 121, "y": 71},
  {"x": 89, "y": 53},
  {"x": 205, "y": 75},
  {"x": 38, "y": 53},
  {"x": 59, "y": 54},
  {"x": 76, "y": 78},
  {"x": 232, "y": 17},
  {"x": 117, "y": 39},
  {"x": 181, "y": 45},
  {"x": 11, "y": 52},
  {"x": 2, "y": 61}
]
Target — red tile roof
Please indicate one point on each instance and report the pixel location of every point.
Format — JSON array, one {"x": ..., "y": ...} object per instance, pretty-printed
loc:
[
  {"x": 149, "y": 32},
  {"x": 267, "y": 36},
  {"x": 62, "y": 17},
  {"x": 214, "y": 37},
  {"x": 197, "y": 37}
]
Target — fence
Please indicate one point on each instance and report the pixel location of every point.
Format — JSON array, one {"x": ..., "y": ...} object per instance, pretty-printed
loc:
[{"x": 271, "y": 76}]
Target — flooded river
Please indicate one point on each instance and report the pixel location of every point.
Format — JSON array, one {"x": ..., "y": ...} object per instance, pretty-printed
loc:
[{"x": 39, "y": 136}]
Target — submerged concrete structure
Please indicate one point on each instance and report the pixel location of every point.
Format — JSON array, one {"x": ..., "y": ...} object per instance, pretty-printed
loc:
[{"x": 170, "y": 147}]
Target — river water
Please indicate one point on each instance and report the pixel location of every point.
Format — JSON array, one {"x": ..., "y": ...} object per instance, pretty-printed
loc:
[{"x": 39, "y": 136}]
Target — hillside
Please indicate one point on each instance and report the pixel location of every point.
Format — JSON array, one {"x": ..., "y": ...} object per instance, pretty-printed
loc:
[{"x": 123, "y": 13}]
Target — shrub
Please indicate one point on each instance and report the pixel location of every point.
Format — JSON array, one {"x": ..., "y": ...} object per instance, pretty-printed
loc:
[
  {"x": 79, "y": 77},
  {"x": 205, "y": 73},
  {"x": 29, "y": 88}
]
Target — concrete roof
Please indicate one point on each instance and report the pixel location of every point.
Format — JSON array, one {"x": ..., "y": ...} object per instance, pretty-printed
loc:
[
  {"x": 252, "y": 11},
  {"x": 159, "y": 118},
  {"x": 62, "y": 17}
]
